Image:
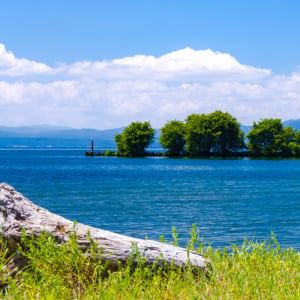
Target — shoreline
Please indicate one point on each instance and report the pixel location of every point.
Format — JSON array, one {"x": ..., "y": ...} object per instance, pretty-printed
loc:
[{"x": 246, "y": 154}]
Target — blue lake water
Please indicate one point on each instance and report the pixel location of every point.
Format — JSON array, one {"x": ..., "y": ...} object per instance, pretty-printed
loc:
[{"x": 227, "y": 199}]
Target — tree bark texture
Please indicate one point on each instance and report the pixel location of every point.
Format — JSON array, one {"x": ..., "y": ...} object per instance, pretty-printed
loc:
[{"x": 17, "y": 213}]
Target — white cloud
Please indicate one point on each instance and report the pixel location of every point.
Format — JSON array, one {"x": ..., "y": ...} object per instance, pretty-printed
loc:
[
  {"x": 107, "y": 94},
  {"x": 186, "y": 63},
  {"x": 12, "y": 66},
  {"x": 188, "y": 60}
]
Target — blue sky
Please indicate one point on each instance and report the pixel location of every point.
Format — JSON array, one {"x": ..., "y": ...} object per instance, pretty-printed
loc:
[{"x": 103, "y": 64}]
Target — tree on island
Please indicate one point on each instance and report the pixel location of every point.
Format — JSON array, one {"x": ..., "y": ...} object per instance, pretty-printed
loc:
[
  {"x": 134, "y": 139},
  {"x": 198, "y": 139},
  {"x": 217, "y": 132},
  {"x": 294, "y": 146},
  {"x": 172, "y": 137},
  {"x": 269, "y": 137},
  {"x": 289, "y": 136},
  {"x": 226, "y": 132}
]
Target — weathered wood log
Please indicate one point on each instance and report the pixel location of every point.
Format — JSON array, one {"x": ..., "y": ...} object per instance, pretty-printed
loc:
[{"x": 17, "y": 213}]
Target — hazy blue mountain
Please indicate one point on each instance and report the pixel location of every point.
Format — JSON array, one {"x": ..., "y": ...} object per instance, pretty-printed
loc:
[
  {"x": 56, "y": 132},
  {"x": 49, "y": 136},
  {"x": 293, "y": 123},
  {"x": 30, "y": 131},
  {"x": 52, "y": 136}
]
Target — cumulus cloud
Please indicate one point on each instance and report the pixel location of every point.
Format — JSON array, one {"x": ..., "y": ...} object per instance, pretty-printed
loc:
[
  {"x": 12, "y": 66},
  {"x": 185, "y": 64},
  {"x": 107, "y": 94},
  {"x": 191, "y": 62}
]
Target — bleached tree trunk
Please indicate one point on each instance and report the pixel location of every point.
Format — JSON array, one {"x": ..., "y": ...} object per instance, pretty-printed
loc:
[{"x": 17, "y": 213}]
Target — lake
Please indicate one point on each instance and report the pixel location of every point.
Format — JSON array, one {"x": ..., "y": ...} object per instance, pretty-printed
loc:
[{"x": 227, "y": 199}]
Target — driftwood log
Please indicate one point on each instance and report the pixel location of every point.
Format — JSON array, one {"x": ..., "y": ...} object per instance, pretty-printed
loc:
[{"x": 17, "y": 213}]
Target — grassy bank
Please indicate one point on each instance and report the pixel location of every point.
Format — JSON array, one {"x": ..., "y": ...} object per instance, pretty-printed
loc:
[{"x": 250, "y": 271}]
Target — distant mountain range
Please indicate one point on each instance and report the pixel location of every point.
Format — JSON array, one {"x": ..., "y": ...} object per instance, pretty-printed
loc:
[
  {"x": 52, "y": 136},
  {"x": 62, "y": 137},
  {"x": 57, "y": 132},
  {"x": 293, "y": 123},
  {"x": 45, "y": 136}
]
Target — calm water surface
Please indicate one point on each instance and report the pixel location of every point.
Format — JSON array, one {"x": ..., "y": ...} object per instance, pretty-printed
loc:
[{"x": 227, "y": 199}]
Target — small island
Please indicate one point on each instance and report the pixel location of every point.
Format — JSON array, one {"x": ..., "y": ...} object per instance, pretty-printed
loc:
[{"x": 205, "y": 135}]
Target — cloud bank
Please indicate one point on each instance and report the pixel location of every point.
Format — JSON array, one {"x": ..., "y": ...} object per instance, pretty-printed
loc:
[
  {"x": 110, "y": 94},
  {"x": 16, "y": 67}
]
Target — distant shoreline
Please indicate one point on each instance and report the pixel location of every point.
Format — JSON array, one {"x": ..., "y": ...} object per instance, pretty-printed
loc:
[{"x": 245, "y": 154}]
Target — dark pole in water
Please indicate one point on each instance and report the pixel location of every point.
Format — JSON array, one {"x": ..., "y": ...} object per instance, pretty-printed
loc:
[{"x": 92, "y": 147}]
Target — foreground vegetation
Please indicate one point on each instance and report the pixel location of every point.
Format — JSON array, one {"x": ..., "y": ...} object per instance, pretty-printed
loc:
[{"x": 250, "y": 271}]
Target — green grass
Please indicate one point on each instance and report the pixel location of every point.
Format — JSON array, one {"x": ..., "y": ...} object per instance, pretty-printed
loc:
[{"x": 250, "y": 271}]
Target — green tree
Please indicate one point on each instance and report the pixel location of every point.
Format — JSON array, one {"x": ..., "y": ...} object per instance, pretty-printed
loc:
[
  {"x": 134, "y": 139},
  {"x": 294, "y": 145},
  {"x": 217, "y": 132},
  {"x": 197, "y": 134},
  {"x": 226, "y": 133},
  {"x": 266, "y": 137},
  {"x": 288, "y": 136},
  {"x": 172, "y": 137}
]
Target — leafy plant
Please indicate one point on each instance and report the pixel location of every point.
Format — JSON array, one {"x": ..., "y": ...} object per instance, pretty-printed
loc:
[
  {"x": 172, "y": 137},
  {"x": 134, "y": 139},
  {"x": 249, "y": 271}
]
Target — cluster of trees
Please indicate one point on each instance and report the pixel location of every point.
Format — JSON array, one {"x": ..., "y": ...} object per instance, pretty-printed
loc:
[
  {"x": 217, "y": 132},
  {"x": 214, "y": 133},
  {"x": 270, "y": 138}
]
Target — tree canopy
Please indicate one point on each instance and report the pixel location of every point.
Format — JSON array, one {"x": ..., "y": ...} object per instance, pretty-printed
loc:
[
  {"x": 226, "y": 132},
  {"x": 265, "y": 137},
  {"x": 270, "y": 138},
  {"x": 294, "y": 146},
  {"x": 198, "y": 139},
  {"x": 134, "y": 139},
  {"x": 217, "y": 132},
  {"x": 172, "y": 137}
]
